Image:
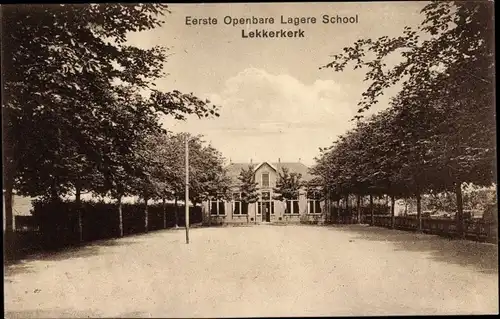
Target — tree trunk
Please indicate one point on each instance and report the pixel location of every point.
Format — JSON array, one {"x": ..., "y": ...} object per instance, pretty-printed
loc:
[
  {"x": 255, "y": 213},
  {"x": 146, "y": 214},
  {"x": 120, "y": 216},
  {"x": 8, "y": 202},
  {"x": 8, "y": 198},
  {"x": 54, "y": 195},
  {"x": 419, "y": 211},
  {"x": 393, "y": 218},
  {"x": 347, "y": 213},
  {"x": 358, "y": 208},
  {"x": 460, "y": 210},
  {"x": 372, "y": 217},
  {"x": 164, "y": 206},
  {"x": 176, "y": 213},
  {"x": 327, "y": 208},
  {"x": 78, "y": 193},
  {"x": 338, "y": 211},
  {"x": 246, "y": 210},
  {"x": 209, "y": 214}
]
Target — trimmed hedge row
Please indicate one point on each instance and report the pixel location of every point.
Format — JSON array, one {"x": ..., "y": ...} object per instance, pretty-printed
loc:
[{"x": 58, "y": 222}]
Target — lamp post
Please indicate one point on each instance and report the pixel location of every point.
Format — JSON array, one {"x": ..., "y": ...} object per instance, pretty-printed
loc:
[{"x": 186, "y": 199}]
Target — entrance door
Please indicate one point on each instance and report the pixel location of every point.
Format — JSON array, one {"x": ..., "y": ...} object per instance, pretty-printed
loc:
[{"x": 266, "y": 206}]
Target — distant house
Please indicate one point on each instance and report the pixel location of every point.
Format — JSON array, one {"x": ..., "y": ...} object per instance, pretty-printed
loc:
[
  {"x": 304, "y": 208},
  {"x": 21, "y": 210}
]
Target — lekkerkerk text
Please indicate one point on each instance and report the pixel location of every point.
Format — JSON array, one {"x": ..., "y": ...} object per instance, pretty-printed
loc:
[{"x": 268, "y": 21}]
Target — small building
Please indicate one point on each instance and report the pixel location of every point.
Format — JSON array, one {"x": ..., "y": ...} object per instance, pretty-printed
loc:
[
  {"x": 305, "y": 208},
  {"x": 21, "y": 212}
]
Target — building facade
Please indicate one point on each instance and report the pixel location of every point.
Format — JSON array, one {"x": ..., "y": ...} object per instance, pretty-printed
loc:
[{"x": 305, "y": 207}]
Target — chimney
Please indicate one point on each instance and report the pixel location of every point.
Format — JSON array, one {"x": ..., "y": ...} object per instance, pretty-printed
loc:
[
  {"x": 279, "y": 160},
  {"x": 250, "y": 161},
  {"x": 299, "y": 159}
]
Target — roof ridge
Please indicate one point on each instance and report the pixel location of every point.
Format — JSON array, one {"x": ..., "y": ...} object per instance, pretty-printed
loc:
[
  {"x": 292, "y": 163},
  {"x": 264, "y": 162}
]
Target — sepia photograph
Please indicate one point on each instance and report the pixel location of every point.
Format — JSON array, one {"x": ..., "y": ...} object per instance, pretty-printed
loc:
[{"x": 212, "y": 160}]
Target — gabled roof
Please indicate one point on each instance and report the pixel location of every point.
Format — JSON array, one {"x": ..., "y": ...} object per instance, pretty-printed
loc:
[
  {"x": 234, "y": 169},
  {"x": 270, "y": 164}
]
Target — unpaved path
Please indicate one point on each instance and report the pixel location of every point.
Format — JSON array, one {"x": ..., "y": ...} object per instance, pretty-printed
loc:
[{"x": 258, "y": 271}]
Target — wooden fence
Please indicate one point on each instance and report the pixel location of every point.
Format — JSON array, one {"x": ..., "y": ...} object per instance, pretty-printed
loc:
[
  {"x": 343, "y": 215},
  {"x": 476, "y": 229}
]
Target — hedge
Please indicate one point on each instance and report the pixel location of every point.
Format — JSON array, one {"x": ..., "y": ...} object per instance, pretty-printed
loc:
[{"x": 58, "y": 222}]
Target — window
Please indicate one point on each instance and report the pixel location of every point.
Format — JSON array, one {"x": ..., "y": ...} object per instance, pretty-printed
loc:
[
  {"x": 314, "y": 207},
  {"x": 265, "y": 203},
  {"x": 266, "y": 196},
  {"x": 239, "y": 208},
  {"x": 217, "y": 207},
  {"x": 213, "y": 207},
  {"x": 314, "y": 202},
  {"x": 265, "y": 179},
  {"x": 292, "y": 205}
]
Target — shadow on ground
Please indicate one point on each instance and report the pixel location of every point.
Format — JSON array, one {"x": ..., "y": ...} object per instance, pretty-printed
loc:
[
  {"x": 87, "y": 249},
  {"x": 60, "y": 313},
  {"x": 481, "y": 256},
  {"x": 14, "y": 267},
  {"x": 68, "y": 313}
]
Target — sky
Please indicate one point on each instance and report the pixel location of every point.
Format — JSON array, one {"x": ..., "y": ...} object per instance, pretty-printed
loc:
[{"x": 275, "y": 102}]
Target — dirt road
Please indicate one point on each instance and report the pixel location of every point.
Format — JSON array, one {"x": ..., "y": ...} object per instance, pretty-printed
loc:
[{"x": 258, "y": 271}]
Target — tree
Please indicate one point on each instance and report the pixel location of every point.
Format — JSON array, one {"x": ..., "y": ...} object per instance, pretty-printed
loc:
[
  {"x": 287, "y": 185},
  {"x": 156, "y": 171},
  {"x": 70, "y": 77},
  {"x": 248, "y": 186},
  {"x": 446, "y": 78},
  {"x": 166, "y": 163},
  {"x": 209, "y": 177},
  {"x": 458, "y": 38},
  {"x": 164, "y": 155},
  {"x": 379, "y": 156}
]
